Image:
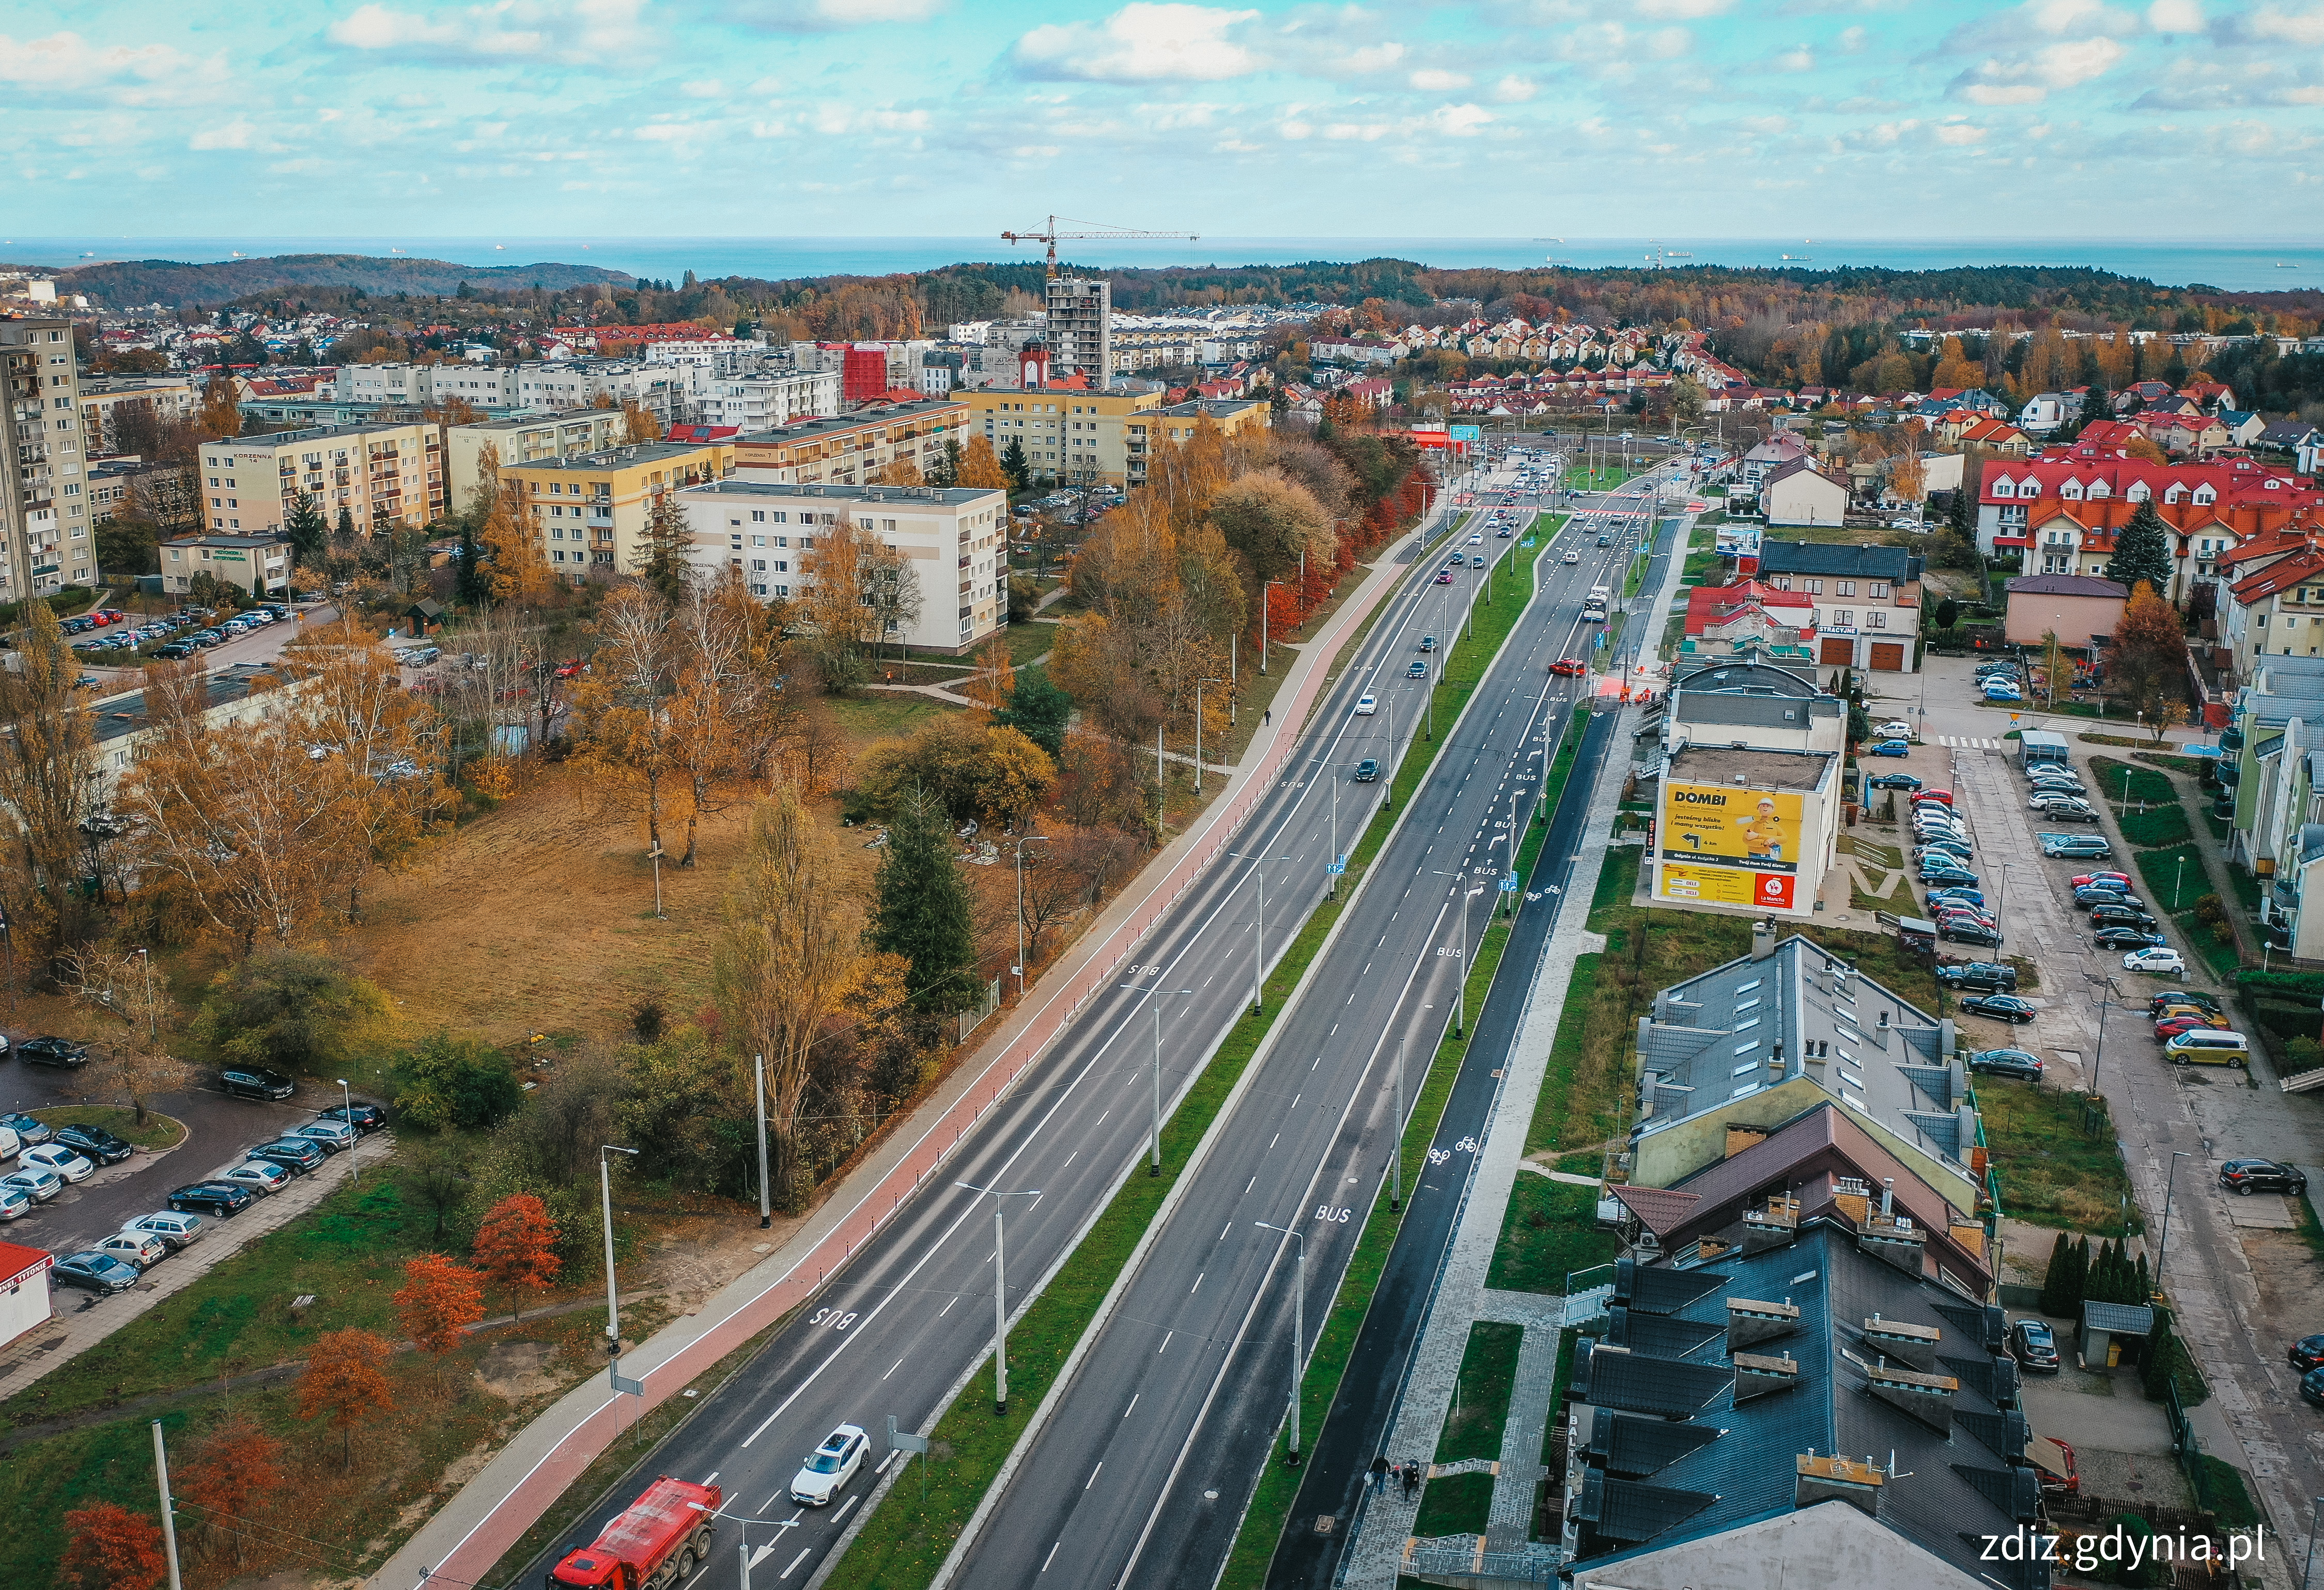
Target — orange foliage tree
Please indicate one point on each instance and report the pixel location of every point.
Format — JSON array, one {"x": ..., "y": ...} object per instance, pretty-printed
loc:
[
  {"x": 235, "y": 1472},
  {"x": 345, "y": 1378},
  {"x": 439, "y": 1298},
  {"x": 113, "y": 1549},
  {"x": 516, "y": 1246}
]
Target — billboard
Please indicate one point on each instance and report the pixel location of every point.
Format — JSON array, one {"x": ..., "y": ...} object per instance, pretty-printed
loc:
[
  {"x": 1471, "y": 434},
  {"x": 1729, "y": 844}
]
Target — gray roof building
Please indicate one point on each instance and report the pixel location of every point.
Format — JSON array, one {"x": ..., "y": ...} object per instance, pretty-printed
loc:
[{"x": 1820, "y": 559}]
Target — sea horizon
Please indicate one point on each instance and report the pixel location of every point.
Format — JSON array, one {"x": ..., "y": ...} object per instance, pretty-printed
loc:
[{"x": 2285, "y": 264}]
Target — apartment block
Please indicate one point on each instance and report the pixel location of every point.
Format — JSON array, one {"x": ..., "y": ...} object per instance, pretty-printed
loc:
[
  {"x": 44, "y": 511},
  {"x": 428, "y": 386},
  {"x": 105, "y": 398},
  {"x": 590, "y": 508},
  {"x": 1081, "y": 439},
  {"x": 758, "y": 399},
  {"x": 383, "y": 475},
  {"x": 955, "y": 541},
  {"x": 258, "y": 564},
  {"x": 666, "y": 391},
  {"x": 848, "y": 450},
  {"x": 525, "y": 438},
  {"x": 1080, "y": 328}
]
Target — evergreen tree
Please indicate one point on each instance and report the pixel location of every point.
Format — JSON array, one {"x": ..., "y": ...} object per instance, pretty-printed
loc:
[
  {"x": 2098, "y": 404},
  {"x": 346, "y": 527},
  {"x": 1037, "y": 710},
  {"x": 1014, "y": 464},
  {"x": 660, "y": 558},
  {"x": 921, "y": 911},
  {"x": 2146, "y": 1280},
  {"x": 944, "y": 472},
  {"x": 469, "y": 578},
  {"x": 309, "y": 531},
  {"x": 1959, "y": 515},
  {"x": 2057, "y": 1281},
  {"x": 2143, "y": 551}
]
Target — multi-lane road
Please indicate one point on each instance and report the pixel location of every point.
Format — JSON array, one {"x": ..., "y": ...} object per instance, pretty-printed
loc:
[{"x": 1114, "y": 1484}]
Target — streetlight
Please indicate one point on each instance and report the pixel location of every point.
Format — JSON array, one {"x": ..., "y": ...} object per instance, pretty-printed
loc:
[
  {"x": 2170, "y": 1177},
  {"x": 1460, "y": 989},
  {"x": 613, "y": 1298},
  {"x": 2106, "y": 1003},
  {"x": 1155, "y": 1168},
  {"x": 1000, "y": 1295},
  {"x": 1022, "y": 841},
  {"x": 776, "y": 1524},
  {"x": 1298, "y": 1332},
  {"x": 152, "y": 1017},
  {"x": 1258, "y": 929},
  {"x": 348, "y": 1103},
  {"x": 1396, "y": 1138},
  {"x": 759, "y": 1081},
  {"x": 1263, "y": 590}
]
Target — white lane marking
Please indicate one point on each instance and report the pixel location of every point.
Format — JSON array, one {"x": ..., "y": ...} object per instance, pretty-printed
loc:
[
  {"x": 714, "y": 1477},
  {"x": 804, "y": 1554},
  {"x": 946, "y": 1308},
  {"x": 1166, "y": 1343},
  {"x": 898, "y": 1364},
  {"x": 1094, "y": 1474},
  {"x": 1101, "y": 1120},
  {"x": 1052, "y": 1557},
  {"x": 1133, "y": 1403},
  {"x": 1198, "y": 1284},
  {"x": 843, "y": 1506},
  {"x": 884, "y": 1462},
  {"x": 1249, "y": 1185},
  {"x": 1227, "y": 1228}
]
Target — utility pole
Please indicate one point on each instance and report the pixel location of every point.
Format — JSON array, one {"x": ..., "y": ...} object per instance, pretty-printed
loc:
[
  {"x": 1000, "y": 1295},
  {"x": 1298, "y": 1332},
  {"x": 1154, "y": 1167},
  {"x": 1023, "y": 839},
  {"x": 613, "y": 1298},
  {"x": 1396, "y": 1138},
  {"x": 1258, "y": 929},
  {"x": 759, "y": 1076},
  {"x": 1198, "y": 730},
  {"x": 169, "y": 1515}
]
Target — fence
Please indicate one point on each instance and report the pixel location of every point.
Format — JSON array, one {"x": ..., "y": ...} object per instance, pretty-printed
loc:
[{"x": 1466, "y": 1558}]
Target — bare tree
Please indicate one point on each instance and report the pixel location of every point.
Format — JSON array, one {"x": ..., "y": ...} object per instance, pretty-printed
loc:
[{"x": 49, "y": 787}]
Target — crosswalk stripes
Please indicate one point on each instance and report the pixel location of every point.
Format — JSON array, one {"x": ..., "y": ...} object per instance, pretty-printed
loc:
[{"x": 1967, "y": 742}]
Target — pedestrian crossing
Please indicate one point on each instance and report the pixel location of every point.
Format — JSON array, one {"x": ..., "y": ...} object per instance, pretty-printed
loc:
[{"x": 1969, "y": 742}]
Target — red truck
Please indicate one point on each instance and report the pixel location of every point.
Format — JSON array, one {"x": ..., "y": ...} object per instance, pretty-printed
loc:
[{"x": 656, "y": 1543}]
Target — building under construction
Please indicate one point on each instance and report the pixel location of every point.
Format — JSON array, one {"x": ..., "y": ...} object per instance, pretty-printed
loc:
[{"x": 1080, "y": 330}]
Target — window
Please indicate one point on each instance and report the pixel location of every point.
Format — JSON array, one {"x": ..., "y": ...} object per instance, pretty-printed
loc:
[
  {"x": 1880, "y": 617},
  {"x": 1815, "y": 587},
  {"x": 1782, "y": 581},
  {"x": 1845, "y": 618},
  {"x": 1848, "y": 588},
  {"x": 1880, "y": 588}
]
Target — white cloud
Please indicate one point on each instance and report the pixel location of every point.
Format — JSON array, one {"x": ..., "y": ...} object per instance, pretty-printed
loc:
[
  {"x": 1514, "y": 90},
  {"x": 577, "y": 31},
  {"x": 1687, "y": 9},
  {"x": 1436, "y": 80},
  {"x": 1665, "y": 43},
  {"x": 1798, "y": 59},
  {"x": 1850, "y": 39},
  {"x": 65, "y": 63},
  {"x": 703, "y": 88},
  {"x": 1959, "y": 134},
  {"x": 2271, "y": 21},
  {"x": 2027, "y": 79},
  {"x": 1141, "y": 42},
  {"x": 829, "y": 16},
  {"x": 1296, "y": 131},
  {"x": 2176, "y": 16},
  {"x": 237, "y": 134},
  {"x": 1460, "y": 120}
]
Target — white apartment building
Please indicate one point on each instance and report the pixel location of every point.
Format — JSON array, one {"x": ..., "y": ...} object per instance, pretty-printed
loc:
[
  {"x": 426, "y": 386},
  {"x": 526, "y": 438},
  {"x": 704, "y": 351},
  {"x": 956, "y": 541},
  {"x": 765, "y": 399},
  {"x": 666, "y": 391},
  {"x": 44, "y": 507}
]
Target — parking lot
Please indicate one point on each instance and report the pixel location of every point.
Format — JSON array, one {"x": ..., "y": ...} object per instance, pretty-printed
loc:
[
  {"x": 261, "y": 643},
  {"x": 2241, "y": 1277}
]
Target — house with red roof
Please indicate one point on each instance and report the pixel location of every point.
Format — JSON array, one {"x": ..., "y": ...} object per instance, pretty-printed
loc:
[{"x": 1749, "y": 619}]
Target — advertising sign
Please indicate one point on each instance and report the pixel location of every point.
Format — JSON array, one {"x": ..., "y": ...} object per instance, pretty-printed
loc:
[
  {"x": 1727, "y": 885},
  {"x": 1740, "y": 826},
  {"x": 1466, "y": 433},
  {"x": 1736, "y": 541}
]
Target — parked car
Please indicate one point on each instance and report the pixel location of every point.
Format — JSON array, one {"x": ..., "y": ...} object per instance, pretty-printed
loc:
[
  {"x": 2043, "y": 800},
  {"x": 296, "y": 1155},
  {"x": 94, "y": 1272},
  {"x": 223, "y": 1195},
  {"x": 95, "y": 1142},
  {"x": 256, "y": 1177},
  {"x": 2171, "y": 1026},
  {"x": 2033, "y": 1347},
  {"x": 2076, "y": 846},
  {"x": 1894, "y": 728},
  {"x": 1943, "y": 797},
  {"x": 2107, "y": 894},
  {"x": 1367, "y": 770},
  {"x": 256, "y": 1081},
  {"x": 1970, "y": 933},
  {"x": 2085, "y": 879},
  {"x": 14, "y": 1201},
  {"x": 175, "y": 1228},
  {"x": 2162, "y": 959},
  {"x": 135, "y": 1247},
  {"x": 2119, "y": 915},
  {"x": 1932, "y": 872},
  {"x": 335, "y": 1137},
  {"x": 2312, "y": 1388},
  {"x": 1961, "y": 895},
  {"x": 2245, "y": 1177},
  {"x": 2126, "y": 937},
  {"x": 830, "y": 1466},
  {"x": 1890, "y": 747},
  {"x": 2006, "y": 1007},
  {"x": 35, "y": 1181},
  {"x": 55, "y": 1156},
  {"x": 1984, "y": 977},
  {"x": 49, "y": 1051},
  {"x": 1892, "y": 781},
  {"x": 2066, "y": 809},
  {"x": 2307, "y": 1353},
  {"x": 2192, "y": 997}
]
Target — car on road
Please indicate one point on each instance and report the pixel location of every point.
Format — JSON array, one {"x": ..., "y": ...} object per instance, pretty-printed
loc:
[
  {"x": 2060, "y": 846},
  {"x": 1367, "y": 705},
  {"x": 1970, "y": 933},
  {"x": 2035, "y": 1347},
  {"x": 1428, "y": 643},
  {"x": 2245, "y": 1177},
  {"x": 2119, "y": 916},
  {"x": 135, "y": 1247},
  {"x": 2127, "y": 937},
  {"x": 256, "y": 1081},
  {"x": 175, "y": 1228},
  {"x": 95, "y": 1142},
  {"x": 1892, "y": 781},
  {"x": 34, "y": 1181},
  {"x": 1476, "y": 540},
  {"x": 830, "y": 1466},
  {"x": 1444, "y": 576},
  {"x": 1367, "y": 769},
  {"x": 1505, "y": 532},
  {"x": 1570, "y": 557},
  {"x": 1894, "y": 728},
  {"x": 1605, "y": 540},
  {"x": 1417, "y": 670},
  {"x": 1569, "y": 667},
  {"x": 221, "y": 1195},
  {"x": 296, "y": 1155},
  {"x": 94, "y": 1272},
  {"x": 1890, "y": 747},
  {"x": 2006, "y": 1007},
  {"x": 49, "y": 1051},
  {"x": 256, "y": 1177},
  {"x": 55, "y": 1156},
  {"x": 2154, "y": 958}
]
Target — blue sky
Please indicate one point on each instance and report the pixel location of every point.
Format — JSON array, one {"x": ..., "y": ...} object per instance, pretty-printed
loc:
[{"x": 2192, "y": 119}]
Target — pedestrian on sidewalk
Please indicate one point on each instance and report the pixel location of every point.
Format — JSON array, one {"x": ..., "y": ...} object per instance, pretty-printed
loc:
[
  {"x": 1379, "y": 1471},
  {"x": 1267, "y": 717}
]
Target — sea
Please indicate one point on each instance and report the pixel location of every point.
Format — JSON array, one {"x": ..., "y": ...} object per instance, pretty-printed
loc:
[{"x": 2258, "y": 267}]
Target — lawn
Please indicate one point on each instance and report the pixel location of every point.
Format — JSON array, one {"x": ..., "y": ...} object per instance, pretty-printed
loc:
[
  {"x": 1457, "y": 1504},
  {"x": 1481, "y": 1398},
  {"x": 2121, "y": 783},
  {"x": 1547, "y": 1233},
  {"x": 160, "y": 1131},
  {"x": 2057, "y": 1166}
]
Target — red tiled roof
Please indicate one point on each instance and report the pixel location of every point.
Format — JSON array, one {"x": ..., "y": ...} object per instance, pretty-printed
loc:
[
  {"x": 1711, "y": 604},
  {"x": 2304, "y": 564},
  {"x": 1658, "y": 1209}
]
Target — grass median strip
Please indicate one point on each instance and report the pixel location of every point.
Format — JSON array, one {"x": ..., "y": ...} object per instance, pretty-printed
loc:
[{"x": 905, "y": 1541}]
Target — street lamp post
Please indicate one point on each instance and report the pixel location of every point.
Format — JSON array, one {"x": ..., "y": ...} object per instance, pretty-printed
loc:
[
  {"x": 758, "y": 1082},
  {"x": 347, "y": 1111},
  {"x": 1000, "y": 1294},
  {"x": 2170, "y": 1178},
  {"x": 1258, "y": 929},
  {"x": 1022, "y": 841},
  {"x": 1155, "y": 1168},
  {"x": 612, "y": 1297},
  {"x": 1298, "y": 1332},
  {"x": 1263, "y": 590},
  {"x": 1396, "y": 1139}
]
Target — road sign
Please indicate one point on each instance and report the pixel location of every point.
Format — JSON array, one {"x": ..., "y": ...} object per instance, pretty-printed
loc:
[
  {"x": 1509, "y": 884},
  {"x": 900, "y": 1441},
  {"x": 636, "y": 1388},
  {"x": 1336, "y": 867}
]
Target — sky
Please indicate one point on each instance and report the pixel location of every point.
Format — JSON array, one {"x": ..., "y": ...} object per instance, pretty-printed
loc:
[{"x": 2178, "y": 119}]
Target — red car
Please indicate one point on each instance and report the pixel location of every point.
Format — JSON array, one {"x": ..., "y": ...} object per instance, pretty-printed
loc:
[
  {"x": 1444, "y": 578},
  {"x": 1943, "y": 797},
  {"x": 1571, "y": 667},
  {"x": 2088, "y": 878},
  {"x": 2168, "y": 1030},
  {"x": 108, "y": 615}
]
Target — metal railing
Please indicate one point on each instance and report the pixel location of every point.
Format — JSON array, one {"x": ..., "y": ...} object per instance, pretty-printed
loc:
[{"x": 1467, "y": 1558}]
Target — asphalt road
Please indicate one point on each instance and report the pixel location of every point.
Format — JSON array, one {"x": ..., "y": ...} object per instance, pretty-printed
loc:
[{"x": 1141, "y": 1474}]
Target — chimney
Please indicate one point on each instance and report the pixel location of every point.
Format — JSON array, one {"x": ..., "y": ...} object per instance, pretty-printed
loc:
[
  {"x": 1741, "y": 1136},
  {"x": 1750, "y": 1321},
  {"x": 1895, "y": 1239},
  {"x": 1945, "y": 1038},
  {"x": 1887, "y": 1195},
  {"x": 1842, "y": 1479},
  {"x": 1763, "y": 938},
  {"x": 1756, "y": 1375},
  {"x": 1967, "y": 1234},
  {"x": 1852, "y": 1198},
  {"x": 1916, "y": 1345},
  {"x": 1880, "y": 1032},
  {"x": 1928, "y": 1398},
  {"x": 1773, "y": 1226}
]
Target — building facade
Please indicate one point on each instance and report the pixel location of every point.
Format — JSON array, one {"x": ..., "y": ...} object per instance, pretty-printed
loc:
[
  {"x": 1082, "y": 439},
  {"x": 44, "y": 511},
  {"x": 104, "y": 398},
  {"x": 757, "y": 401},
  {"x": 848, "y": 450},
  {"x": 259, "y": 566},
  {"x": 589, "y": 510},
  {"x": 955, "y": 540},
  {"x": 428, "y": 386},
  {"x": 383, "y": 476},
  {"x": 525, "y": 439},
  {"x": 666, "y": 391},
  {"x": 1867, "y": 600},
  {"x": 1080, "y": 328}
]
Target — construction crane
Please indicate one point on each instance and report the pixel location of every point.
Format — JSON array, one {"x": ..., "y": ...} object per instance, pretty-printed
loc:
[{"x": 1100, "y": 231}]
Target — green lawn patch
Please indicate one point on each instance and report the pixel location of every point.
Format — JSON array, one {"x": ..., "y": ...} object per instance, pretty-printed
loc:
[
  {"x": 2193, "y": 767},
  {"x": 1481, "y": 1398},
  {"x": 2057, "y": 1162},
  {"x": 2122, "y": 784},
  {"x": 2174, "y": 877},
  {"x": 160, "y": 1131},
  {"x": 1547, "y": 1233},
  {"x": 2157, "y": 827},
  {"x": 1457, "y": 1504}
]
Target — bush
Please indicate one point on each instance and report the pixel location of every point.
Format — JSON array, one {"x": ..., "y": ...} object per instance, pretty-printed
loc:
[
  {"x": 2223, "y": 934},
  {"x": 292, "y": 1009},
  {"x": 2303, "y": 1054},
  {"x": 2208, "y": 910},
  {"x": 447, "y": 1081}
]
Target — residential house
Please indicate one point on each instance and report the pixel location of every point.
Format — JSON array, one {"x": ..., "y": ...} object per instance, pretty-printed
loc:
[
  {"x": 2194, "y": 436},
  {"x": 1766, "y": 701},
  {"x": 2296, "y": 439},
  {"x": 1749, "y": 619},
  {"x": 2080, "y": 610},
  {"x": 45, "y": 518},
  {"x": 106, "y": 399},
  {"x": 1768, "y": 457},
  {"x": 2275, "y": 604},
  {"x": 259, "y": 566},
  {"x": 2268, "y": 764},
  {"x": 589, "y": 510},
  {"x": 1867, "y": 600},
  {"x": 2243, "y": 426},
  {"x": 1798, "y": 493},
  {"x": 1995, "y": 435},
  {"x": 2045, "y": 412}
]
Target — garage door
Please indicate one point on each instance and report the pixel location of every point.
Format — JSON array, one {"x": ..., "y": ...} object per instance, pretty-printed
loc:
[
  {"x": 1837, "y": 652},
  {"x": 1889, "y": 655}
]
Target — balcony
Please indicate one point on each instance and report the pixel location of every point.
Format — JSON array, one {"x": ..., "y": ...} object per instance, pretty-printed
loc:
[{"x": 2230, "y": 774}]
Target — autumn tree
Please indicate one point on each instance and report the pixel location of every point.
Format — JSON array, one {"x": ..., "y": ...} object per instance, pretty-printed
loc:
[
  {"x": 109, "y": 1547},
  {"x": 2147, "y": 660},
  {"x": 49, "y": 788},
  {"x": 518, "y": 572},
  {"x": 858, "y": 593},
  {"x": 1276, "y": 525},
  {"x": 972, "y": 769},
  {"x": 922, "y": 911},
  {"x": 516, "y": 1246},
  {"x": 347, "y": 1378},
  {"x": 628, "y": 739},
  {"x": 897, "y": 471},
  {"x": 638, "y": 423},
  {"x": 995, "y": 679},
  {"x": 126, "y": 988},
  {"x": 2142, "y": 550},
  {"x": 220, "y": 414},
  {"x": 784, "y": 960},
  {"x": 725, "y": 711},
  {"x": 980, "y": 467},
  {"x": 233, "y": 1473},
  {"x": 439, "y": 1298}
]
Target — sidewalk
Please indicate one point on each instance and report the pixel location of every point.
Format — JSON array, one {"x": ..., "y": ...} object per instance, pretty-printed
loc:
[{"x": 469, "y": 1534}]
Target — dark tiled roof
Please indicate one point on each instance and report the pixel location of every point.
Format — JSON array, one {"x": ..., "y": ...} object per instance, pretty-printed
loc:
[
  {"x": 2066, "y": 586},
  {"x": 1819, "y": 558}
]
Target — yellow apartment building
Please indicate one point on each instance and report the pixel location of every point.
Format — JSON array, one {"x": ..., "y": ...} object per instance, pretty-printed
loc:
[
  {"x": 1096, "y": 438},
  {"x": 383, "y": 474},
  {"x": 524, "y": 439},
  {"x": 849, "y": 449},
  {"x": 590, "y": 508}
]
